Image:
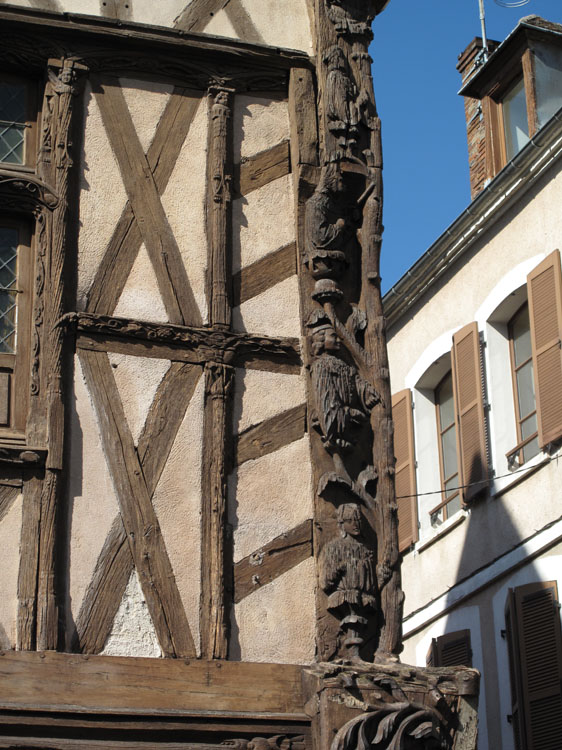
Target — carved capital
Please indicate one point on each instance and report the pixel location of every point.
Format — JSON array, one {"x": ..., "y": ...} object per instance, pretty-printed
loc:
[{"x": 219, "y": 378}]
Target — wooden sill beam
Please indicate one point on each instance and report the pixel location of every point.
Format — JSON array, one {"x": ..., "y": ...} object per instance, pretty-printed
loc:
[{"x": 50, "y": 681}]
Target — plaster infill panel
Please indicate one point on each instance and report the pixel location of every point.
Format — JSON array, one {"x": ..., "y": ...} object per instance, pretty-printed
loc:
[
  {"x": 92, "y": 501},
  {"x": 133, "y": 632},
  {"x": 259, "y": 123},
  {"x": 157, "y": 14},
  {"x": 137, "y": 380},
  {"x": 269, "y": 496},
  {"x": 141, "y": 298},
  {"x": 100, "y": 177},
  {"x": 277, "y": 622},
  {"x": 263, "y": 221},
  {"x": 146, "y": 101},
  {"x": 275, "y": 312},
  {"x": 259, "y": 395},
  {"x": 221, "y": 25},
  {"x": 177, "y": 502},
  {"x": 184, "y": 204},
  {"x": 10, "y": 532},
  {"x": 281, "y": 24}
]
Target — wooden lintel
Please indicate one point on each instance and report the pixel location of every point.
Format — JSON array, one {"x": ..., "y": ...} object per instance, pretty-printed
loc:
[
  {"x": 271, "y": 434},
  {"x": 172, "y": 687},
  {"x": 255, "y": 171},
  {"x": 269, "y": 562},
  {"x": 265, "y": 273}
]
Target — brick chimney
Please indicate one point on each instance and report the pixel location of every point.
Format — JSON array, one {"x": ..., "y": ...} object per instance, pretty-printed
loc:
[{"x": 469, "y": 62}]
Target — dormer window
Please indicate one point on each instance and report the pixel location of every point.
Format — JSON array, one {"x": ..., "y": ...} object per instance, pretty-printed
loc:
[{"x": 515, "y": 122}]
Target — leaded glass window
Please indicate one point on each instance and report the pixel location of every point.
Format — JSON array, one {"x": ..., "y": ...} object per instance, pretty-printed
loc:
[{"x": 13, "y": 121}]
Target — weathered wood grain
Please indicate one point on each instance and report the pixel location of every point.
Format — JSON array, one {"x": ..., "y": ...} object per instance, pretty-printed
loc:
[
  {"x": 146, "y": 204},
  {"x": 29, "y": 563},
  {"x": 265, "y": 273},
  {"x": 169, "y": 687},
  {"x": 198, "y": 14},
  {"x": 255, "y": 171},
  {"x": 269, "y": 562},
  {"x": 126, "y": 240},
  {"x": 105, "y": 591},
  {"x": 139, "y": 519},
  {"x": 304, "y": 126},
  {"x": 271, "y": 434},
  {"x": 7, "y": 496}
]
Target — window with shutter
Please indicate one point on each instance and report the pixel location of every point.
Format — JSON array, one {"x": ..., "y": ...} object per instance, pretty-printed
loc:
[
  {"x": 544, "y": 287},
  {"x": 447, "y": 432},
  {"x": 405, "y": 469},
  {"x": 534, "y": 637},
  {"x": 469, "y": 402},
  {"x": 450, "y": 650}
]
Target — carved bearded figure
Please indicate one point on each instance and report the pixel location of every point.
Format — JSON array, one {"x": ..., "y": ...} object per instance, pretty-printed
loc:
[
  {"x": 342, "y": 398},
  {"x": 341, "y": 100}
]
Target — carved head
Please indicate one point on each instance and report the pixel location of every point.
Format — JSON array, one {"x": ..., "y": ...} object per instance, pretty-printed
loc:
[
  {"x": 349, "y": 520},
  {"x": 66, "y": 75},
  {"x": 322, "y": 333},
  {"x": 331, "y": 180},
  {"x": 222, "y": 98},
  {"x": 334, "y": 59}
]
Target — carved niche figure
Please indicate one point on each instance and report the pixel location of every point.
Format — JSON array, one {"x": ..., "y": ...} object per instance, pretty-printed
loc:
[
  {"x": 220, "y": 114},
  {"x": 342, "y": 399},
  {"x": 347, "y": 576},
  {"x": 340, "y": 101},
  {"x": 328, "y": 231}
]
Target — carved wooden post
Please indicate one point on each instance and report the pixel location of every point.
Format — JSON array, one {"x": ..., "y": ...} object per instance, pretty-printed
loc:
[
  {"x": 218, "y": 381},
  {"x": 55, "y": 162}
]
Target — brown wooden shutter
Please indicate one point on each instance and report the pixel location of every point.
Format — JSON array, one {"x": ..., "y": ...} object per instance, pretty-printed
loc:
[
  {"x": 544, "y": 288},
  {"x": 405, "y": 469},
  {"x": 514, "y": 670},
  {"x": 451, "y": 650},
  {"x": 535, "y": 641},
  {"x": 469, "y": 405}
]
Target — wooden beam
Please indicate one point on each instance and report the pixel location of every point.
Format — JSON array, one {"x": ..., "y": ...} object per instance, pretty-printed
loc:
[
  {"x": 198, "y": 14},
  {"x": 264, "y": 274},
  {"x": 271, "y": 434},
  {"x": 105, "y": 592},
  {"x": 126, "y": 240},
  {"x": 139, "y": 519},
  {"x": 304, "y": 126},
  {"x": 157, "y": 687},
  {"x": 269, "y": 562},
  {"x": 29, "y": 563},
  {"x": 255, "y": 171},
  {"x": 242, "y": 22},
  {"x": 146, "y": 204}
]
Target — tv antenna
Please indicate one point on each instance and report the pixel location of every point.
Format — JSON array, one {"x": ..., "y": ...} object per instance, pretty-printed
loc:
[{"x": 502, "y": 4}]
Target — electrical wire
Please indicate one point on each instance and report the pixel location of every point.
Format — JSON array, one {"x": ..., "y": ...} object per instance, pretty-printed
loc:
[{"x": 481, "y": 481}]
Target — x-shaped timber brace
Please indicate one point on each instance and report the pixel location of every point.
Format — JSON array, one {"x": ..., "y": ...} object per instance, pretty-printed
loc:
[{"x": 135, "y": 539}]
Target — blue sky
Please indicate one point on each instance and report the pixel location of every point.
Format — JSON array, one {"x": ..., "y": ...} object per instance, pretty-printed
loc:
[{"x": 415, "y": 50}]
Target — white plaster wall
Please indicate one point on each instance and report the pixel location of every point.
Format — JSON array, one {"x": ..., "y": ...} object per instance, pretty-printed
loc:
[
  {"x": 10, "y": 531},
  {"x": 141, "y": 298},
  {"x": 259, "y": 123},
  {"x": 259, "y": 395},
  {"x": 161, "y": 13},
  {"x": 133, "y": 632},
  {"x": 263, "y": 222},
  {"x": 184, "y": 204},
  {"x": 275, "y": 312},
  {"x": 137, "y": 380},
  {"x": 269, "y": 496},
  {"x": 92, "y": 501},
  {"x": 277, "y": 622},
  {"x": 220, "y": 25},
  {"x": 281, "y": 24},
  {"x": 177, "y": 501},
  {"x": 99, "y": 178}
]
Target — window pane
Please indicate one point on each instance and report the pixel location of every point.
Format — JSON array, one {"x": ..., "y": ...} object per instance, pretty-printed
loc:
[
  {"x": 452, "y": 486},
  {"x": 531, "y": 450},
  {"x": 528, "y": 426},
  {"x": 12, "y": 121},
  {"x": 521, "y": 335},
  {"x": 515, "y": 119},
  {"x": 444, "y": 397},
  {"x": 454, "y": 506},
  {"x": 525, "y": 390},
  {"x": 9, "y": 241},
  {"x": 548, "y": 81},
  {"x": 449, "y": 449}
]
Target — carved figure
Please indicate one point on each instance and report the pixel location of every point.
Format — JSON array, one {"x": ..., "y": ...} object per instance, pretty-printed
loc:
[
  {"x": 347, "y": 576},
  {"x": 341, "y": 98},
  {"x": 342, "y": 398},
  {"x": 350, "y": 16},
  {"x": 327, "y": 228}
]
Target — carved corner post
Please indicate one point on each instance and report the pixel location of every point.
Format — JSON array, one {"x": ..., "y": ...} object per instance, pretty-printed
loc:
[
  {"x": 359, "y": 693},
  {"x": 219, "y": 377},
  {"x": 46, "y": 416}
]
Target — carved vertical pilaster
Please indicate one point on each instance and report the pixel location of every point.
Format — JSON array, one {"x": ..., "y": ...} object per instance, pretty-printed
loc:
[
  {"x": 219, "y": 197},
  {"x": 54, "y": 165},
  {"x": 219, "y": 377}
]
